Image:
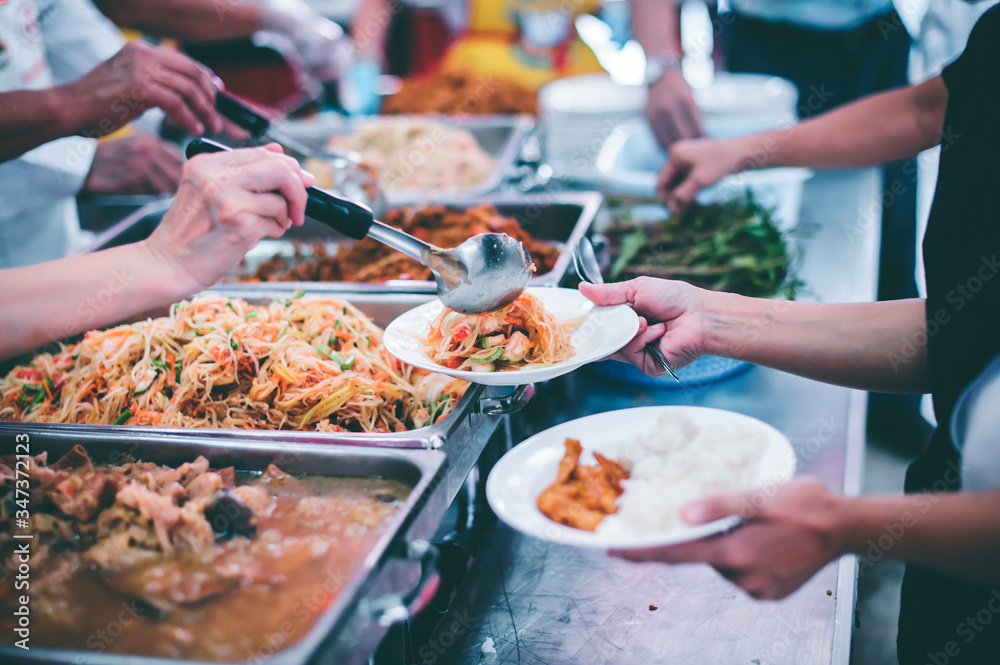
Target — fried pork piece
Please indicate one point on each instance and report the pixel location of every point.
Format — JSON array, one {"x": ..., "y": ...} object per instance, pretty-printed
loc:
[{"x": 583, "y": 495}]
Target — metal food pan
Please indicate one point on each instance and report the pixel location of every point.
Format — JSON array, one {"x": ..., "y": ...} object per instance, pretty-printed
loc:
[
  {"x": 476, "y": 415},
  {"x": 390, "y": 583},
  {"x": 499, "y": 135},
  {"x": 561, "y": 219}
]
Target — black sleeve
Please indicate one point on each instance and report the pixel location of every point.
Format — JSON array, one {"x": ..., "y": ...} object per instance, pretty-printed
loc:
[{"x": 981, "y": 57}]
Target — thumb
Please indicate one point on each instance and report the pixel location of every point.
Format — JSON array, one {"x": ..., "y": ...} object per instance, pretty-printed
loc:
[
  {"x": 711, "y": 508},
  {"x": 609, "y": 294}
]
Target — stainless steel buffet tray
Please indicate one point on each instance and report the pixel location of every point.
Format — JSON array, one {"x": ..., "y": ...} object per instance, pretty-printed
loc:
[
  {"x": 476, "y": 414},
  {"x": 499, "y": 135},
  {"x": 561, "y": 219},
  {"x": 392, "y": 582}
]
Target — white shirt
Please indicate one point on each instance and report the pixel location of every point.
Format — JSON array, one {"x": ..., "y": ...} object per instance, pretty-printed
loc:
[
  {"x": 975, "y": 429},
  {"x": 816, "y": 14},
  {"x": 47, "y": 43}
]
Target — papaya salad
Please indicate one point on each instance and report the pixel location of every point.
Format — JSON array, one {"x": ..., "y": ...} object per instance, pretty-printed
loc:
[
  {"x": 301, "y": 364},
  {"x": 522, "y": 334}
]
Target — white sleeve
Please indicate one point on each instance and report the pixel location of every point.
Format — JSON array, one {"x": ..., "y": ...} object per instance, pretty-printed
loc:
[
  {"x": 77, "y": 37},
  {"x": 55, "y": 169}
]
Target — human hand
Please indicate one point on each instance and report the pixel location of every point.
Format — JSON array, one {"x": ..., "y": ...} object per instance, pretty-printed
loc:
[
  {"x": 319, "y": 46},
  {"x": 694, "y": 165},
  {"x": 671, "y": 110},
  {"x": 140, "y": 164},
  {"x": 227, "y": 202},
  {"x": 673, "y": 311},
  {"x": 141, "y": 77},
  {"x": 791, "y": 532}
]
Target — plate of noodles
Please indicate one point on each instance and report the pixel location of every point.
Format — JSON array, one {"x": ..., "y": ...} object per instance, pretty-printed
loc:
[
  {"x": 620, "y": 479},
  {"x": 545, "y": 333}
]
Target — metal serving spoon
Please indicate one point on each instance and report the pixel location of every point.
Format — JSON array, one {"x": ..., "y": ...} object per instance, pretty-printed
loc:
[
  {"x": 484, "y": 273},
  {"x": 589, "y": 270}
]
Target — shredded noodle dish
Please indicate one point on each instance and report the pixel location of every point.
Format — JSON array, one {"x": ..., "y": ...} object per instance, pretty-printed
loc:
[
  {"x": 307, "y": 364},
  {"x": 522, "y": 334}
]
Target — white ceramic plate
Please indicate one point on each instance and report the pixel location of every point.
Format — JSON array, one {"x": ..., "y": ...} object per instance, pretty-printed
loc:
[
  {"x": 520, "y": 476},
  {"x": 603, "y": 331}
]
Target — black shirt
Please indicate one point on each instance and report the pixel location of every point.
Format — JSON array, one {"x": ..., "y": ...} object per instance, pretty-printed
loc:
[{"x": 944, "y": 619}]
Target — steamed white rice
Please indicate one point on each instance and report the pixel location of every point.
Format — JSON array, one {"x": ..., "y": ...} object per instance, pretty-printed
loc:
[{"x": 678, "y": 463}]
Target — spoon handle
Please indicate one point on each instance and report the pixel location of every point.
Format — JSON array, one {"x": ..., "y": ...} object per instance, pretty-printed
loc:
[{"x": 352, "y": 219}]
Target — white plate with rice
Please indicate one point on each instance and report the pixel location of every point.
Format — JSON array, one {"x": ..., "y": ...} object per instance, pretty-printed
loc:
[{"x": 676, "y": 453}]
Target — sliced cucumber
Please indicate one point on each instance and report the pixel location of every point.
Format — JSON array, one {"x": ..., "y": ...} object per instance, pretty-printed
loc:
[{"x": 490, "y": 358}]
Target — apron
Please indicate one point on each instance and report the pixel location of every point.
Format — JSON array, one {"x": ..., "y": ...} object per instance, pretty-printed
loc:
[
  {"x": 38, "y": 215},
  {"x": 531, "y": 42},
  {"x": 944, "y": 618}
]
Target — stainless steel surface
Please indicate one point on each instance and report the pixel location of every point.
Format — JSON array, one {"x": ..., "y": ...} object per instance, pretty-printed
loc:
[
  {"x": 561, "y": 219},
  {"x": 486, "y": 272},
  {"x": 396, "y": 569},
  {"x": 543, "y": 603},
  {"x": 499, "y": 135},
  {"x": 590, "y": 271},
  {"x": 474, "y": 416}
]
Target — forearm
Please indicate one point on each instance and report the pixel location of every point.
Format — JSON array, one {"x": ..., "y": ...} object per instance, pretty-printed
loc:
[
  {"x": 881, "y": 128},
  {"x": 957, "y": 533},
  {"x": 187, "y": 20},
  {"x": 656, "y": 26},
  {"x": 30, "y": 118},
  {"x": 370, "y": 30},
  {"x": 862, "y": 345},
  {"x": 45, "y": 302}
]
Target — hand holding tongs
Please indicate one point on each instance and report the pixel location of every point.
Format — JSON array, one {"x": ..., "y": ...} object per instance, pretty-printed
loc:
[{"x": 484, "y": 273}]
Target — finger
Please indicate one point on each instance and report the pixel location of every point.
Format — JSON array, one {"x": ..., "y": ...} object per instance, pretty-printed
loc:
[
  {"x": 274, "y": 207},
  {"x": 174, "y": 105},
  {"x": 683, "y": 195},
  {"x": 202, "y": 105},
  {"x": 635, "y": 351},
  {"x": 619, "y": 293},
  {"x": 277, "y": 175},
  {"x": 201, "y": 76},
  {"x": 715, "y": 507},
  {"x": 270, "y": 227},
  {"x": 665, "y": 181}
]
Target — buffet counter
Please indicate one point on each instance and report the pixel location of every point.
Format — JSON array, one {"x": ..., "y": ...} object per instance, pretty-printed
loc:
[{"x": 531, "y": 601}]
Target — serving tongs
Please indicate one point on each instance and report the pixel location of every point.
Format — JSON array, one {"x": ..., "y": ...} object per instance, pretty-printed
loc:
[
  {"x": 351, "y": 178},
  {"x": 484, "y": 273}
]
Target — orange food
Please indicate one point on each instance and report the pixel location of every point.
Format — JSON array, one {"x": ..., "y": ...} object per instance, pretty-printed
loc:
[
  {"x": 583, "y": 495},
  {"x": 461, "y": 94},
  {"x": 370, "y": 261}
]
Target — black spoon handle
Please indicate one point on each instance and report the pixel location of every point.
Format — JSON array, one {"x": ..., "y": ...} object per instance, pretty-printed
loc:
[{"x": 350, "y": 218}]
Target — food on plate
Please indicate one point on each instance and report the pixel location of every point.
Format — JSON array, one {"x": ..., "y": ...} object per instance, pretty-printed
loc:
[
  {"x": 371, "y": 261},
  {"x": 183, "y": 560},
  {"x": 733, "y": 246},
  {"x": 409, "y": 154},
  {"x": 643, "y": 491},
  {"x": 679, "y": 462},
  {"x": 522, "y": 334},
  {"x": 582, "y": 496},
  {"x": 461, "y": 94},
  {"x": 307, "y": 364}
]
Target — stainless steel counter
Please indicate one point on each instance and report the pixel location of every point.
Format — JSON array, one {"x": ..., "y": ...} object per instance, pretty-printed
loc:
[{"x": 543, "y": 603}]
